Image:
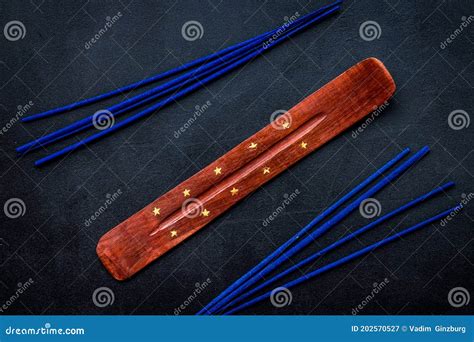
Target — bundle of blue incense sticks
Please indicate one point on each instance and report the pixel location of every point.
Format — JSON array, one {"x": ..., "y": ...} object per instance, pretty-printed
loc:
[
  {"x": 257, "y": 284},
  {"x": 194, "y": 75}
]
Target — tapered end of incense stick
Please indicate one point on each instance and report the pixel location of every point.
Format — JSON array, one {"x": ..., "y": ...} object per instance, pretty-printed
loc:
[{"x": 173, "y": 217}]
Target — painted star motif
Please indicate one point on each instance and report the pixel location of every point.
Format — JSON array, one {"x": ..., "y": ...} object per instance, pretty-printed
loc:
[
  {"x": 285, "y": 125},
  {"x": 253, "y": 146},
  {"x": 304, "y": 144},
  {"x": 156, "y": 211},
  {"x": 266, "y": 170},
  {"x": 234, "y": 191},
  {"x": 218, "y": 170},
  {"x": 205, "y": 213},
  {"x": 174, "y": 233},
  {"x": 187, "y": 192}
]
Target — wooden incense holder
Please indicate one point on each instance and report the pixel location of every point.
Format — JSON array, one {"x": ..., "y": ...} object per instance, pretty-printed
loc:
[{"x": 184, "y": 210}]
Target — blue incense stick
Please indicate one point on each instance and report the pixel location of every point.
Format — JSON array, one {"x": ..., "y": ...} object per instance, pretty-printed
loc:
[
  {"x": 347, "y": 258},
  {"x": 323, "y": 228},
  {"x": 179, "y": 94},
  {"x": 338, "y": 243},
  {"x": 154, "y": 93},
  {"x": 168, "y": 73},
  {"x": 303, "y": 231}
]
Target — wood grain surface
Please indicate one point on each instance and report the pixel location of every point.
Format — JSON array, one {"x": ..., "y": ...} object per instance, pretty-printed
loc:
[{"x": 181, "y": 212}]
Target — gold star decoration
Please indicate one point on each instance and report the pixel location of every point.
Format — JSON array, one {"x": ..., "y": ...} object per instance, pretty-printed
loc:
[
  {"x": 205, "y": 213},
  {"x": 304, "y": 144},
  {"x": 266, "y": 170},
  {"x": 218, "y": 170},
  {"x": 285, "y": 125},
  {"x": 253, "y": 146},
  {"x": 174, "y": 233},
  {"x": 156, "y": 211},
  {"x": 234, "y": 191},
  {"x": 187, "y": 192}
]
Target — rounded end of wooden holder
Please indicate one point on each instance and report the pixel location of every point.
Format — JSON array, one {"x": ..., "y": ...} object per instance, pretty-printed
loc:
[
  {"x": 110, "y": 265},
  {"x": 378, "y": 64}
]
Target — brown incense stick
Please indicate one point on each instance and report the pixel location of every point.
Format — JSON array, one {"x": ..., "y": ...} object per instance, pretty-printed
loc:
[{"x": 191, "y": 205}]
